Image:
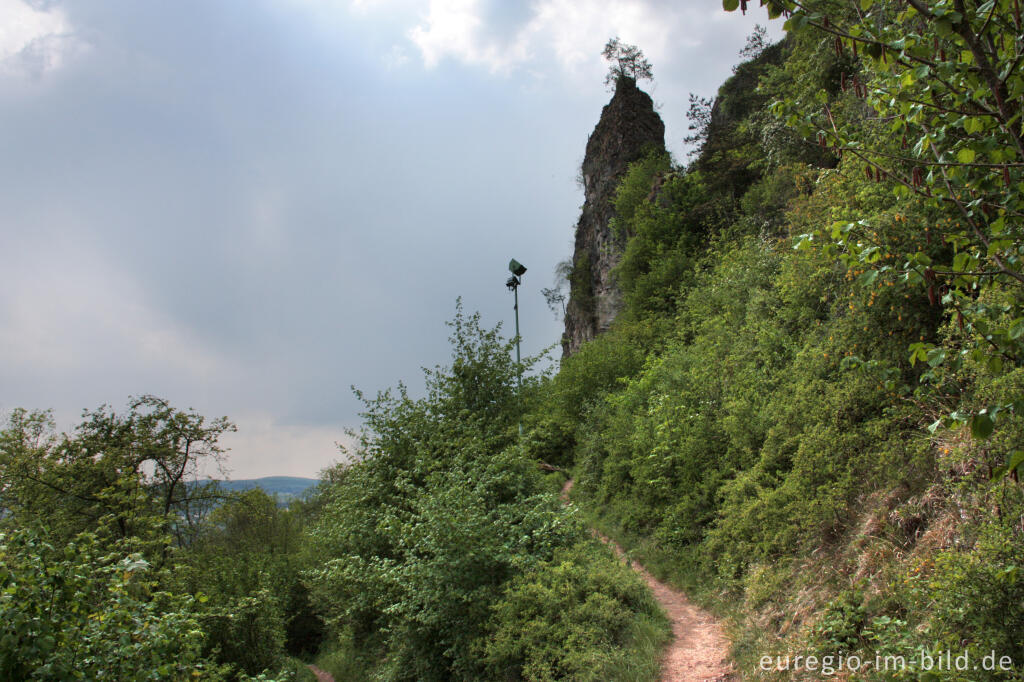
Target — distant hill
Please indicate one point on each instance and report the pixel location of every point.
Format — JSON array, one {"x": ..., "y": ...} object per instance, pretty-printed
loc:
[{"x": 285, "y": 487}]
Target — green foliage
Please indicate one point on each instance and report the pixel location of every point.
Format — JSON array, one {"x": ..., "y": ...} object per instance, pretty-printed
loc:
[
  {"x": 626, "y": 61},
  {"x": 245, "y": 632},
  {"x": 731, "y": 157},
  {"x": 581, "y": 284},
  {"x": 340, "y": 658},
  {"x": 661, "y": 441},
  {"x": 972, "y": 596},
  {"x": 943, "y": 83},
  {"x": 304, "y": 628},
  {"x": 635, "y": 188},
  {"x": 572, "y": 617},
  {"x": 657, "y": 210},
  {"x": 132, "y": 476},
  {"x": 770, "y": 441},
  {"x": 842, "y": 623},
  {"x": 295, "y": 670},
  {"x": 597, "y": 368},
  {"x": 418, "y": 539},
  {"x": 246, "y": 560},
  {"x": 75, "y": 612},
  {"x": 583, "y": 380}
]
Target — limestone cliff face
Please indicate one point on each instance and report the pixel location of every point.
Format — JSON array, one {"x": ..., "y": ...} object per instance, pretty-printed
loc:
[{"x": 628, "y": 128}]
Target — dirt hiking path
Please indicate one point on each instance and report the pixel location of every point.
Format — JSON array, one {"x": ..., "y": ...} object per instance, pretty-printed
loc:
[
  {"x": 699, "y": 650},
  {"x": 321, "y": 676}
]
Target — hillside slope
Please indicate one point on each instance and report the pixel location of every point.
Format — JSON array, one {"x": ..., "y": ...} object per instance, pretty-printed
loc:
[
  {"x": 778, "y": 428},
  {"x": 272, "y": 485}
]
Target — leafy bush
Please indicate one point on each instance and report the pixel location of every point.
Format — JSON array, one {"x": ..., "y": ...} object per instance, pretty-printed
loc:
[
  {"x": 770, "y": 444},
  {"x": 573, "y": 617},
  {"x": 72, "y": 612},
  {"x": 842, "y": 623},
  {"x": 246, "y": 633},
  {"x": 246, "y": 559},
  {"x": 970, "y": 596},
  {"x": 340, "y": 658},
  {"x": 419, "y": 538}
]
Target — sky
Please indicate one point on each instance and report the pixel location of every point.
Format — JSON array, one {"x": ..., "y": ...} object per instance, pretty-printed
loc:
[{"x": 247, "y": 207}]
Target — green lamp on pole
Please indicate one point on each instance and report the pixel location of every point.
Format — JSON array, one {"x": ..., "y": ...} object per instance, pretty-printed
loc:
[{"x": 517, "y": 269}]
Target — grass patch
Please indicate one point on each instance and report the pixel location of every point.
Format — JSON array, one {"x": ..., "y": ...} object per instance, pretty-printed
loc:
[
  {"x": 339, "y": 657},
  {"x": 667, "y": 567},
  {"x": 641, "y": 657}
]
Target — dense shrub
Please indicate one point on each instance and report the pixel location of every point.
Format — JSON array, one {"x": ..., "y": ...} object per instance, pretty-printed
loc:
[
  {"x": 568, "y": 618},
  {"x": 246, "y": 633},
  {"x": 812, "y": 432},
  {"x": 418, "y": 540},
  {"x": 75, "y": 612}
]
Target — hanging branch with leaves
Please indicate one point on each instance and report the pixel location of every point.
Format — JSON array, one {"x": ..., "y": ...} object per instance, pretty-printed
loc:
[{"x": 941, "y": 92}]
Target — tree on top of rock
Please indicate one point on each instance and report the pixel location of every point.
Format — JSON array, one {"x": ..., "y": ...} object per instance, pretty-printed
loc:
[{"x": 627, "y": 61}]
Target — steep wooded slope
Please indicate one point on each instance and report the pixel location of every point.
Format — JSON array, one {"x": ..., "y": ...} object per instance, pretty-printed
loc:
[{"x": 752, "y": 423}]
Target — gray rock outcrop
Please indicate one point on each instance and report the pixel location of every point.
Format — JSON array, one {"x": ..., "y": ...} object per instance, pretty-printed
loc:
[{"x": 629, "y": 128}]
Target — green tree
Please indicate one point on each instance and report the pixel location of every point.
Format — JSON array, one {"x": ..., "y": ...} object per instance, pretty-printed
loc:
[
  {"x": 420, "y": 536},
  {"x": 626, "y": 61},
  {"x": 417, "y": 537},
  {"x": 930, "y": 102},
  {"x": 131, "y": 476},
  {"x": 555, "y": 296},
  {"x": 247, "y": 557}
]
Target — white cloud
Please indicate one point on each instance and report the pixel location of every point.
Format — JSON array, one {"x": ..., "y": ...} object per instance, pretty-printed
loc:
[
  {"x": 33, "y": 41},
  {"x": 262, "y": 446},
  {"x": 456, "y": 28},
  {"x": 570, "y": 33},
  {"x": 542, "y": 36},
  {"x": 576, "y": 31},
  {"x": 364, "y": 5}
]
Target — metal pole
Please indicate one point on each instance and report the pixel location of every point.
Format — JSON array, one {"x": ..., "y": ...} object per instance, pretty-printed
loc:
[
  {"x": 519, "y": 362},
  {"x": 519, "y": 365},
  {"x": 517, "y": 269}
]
